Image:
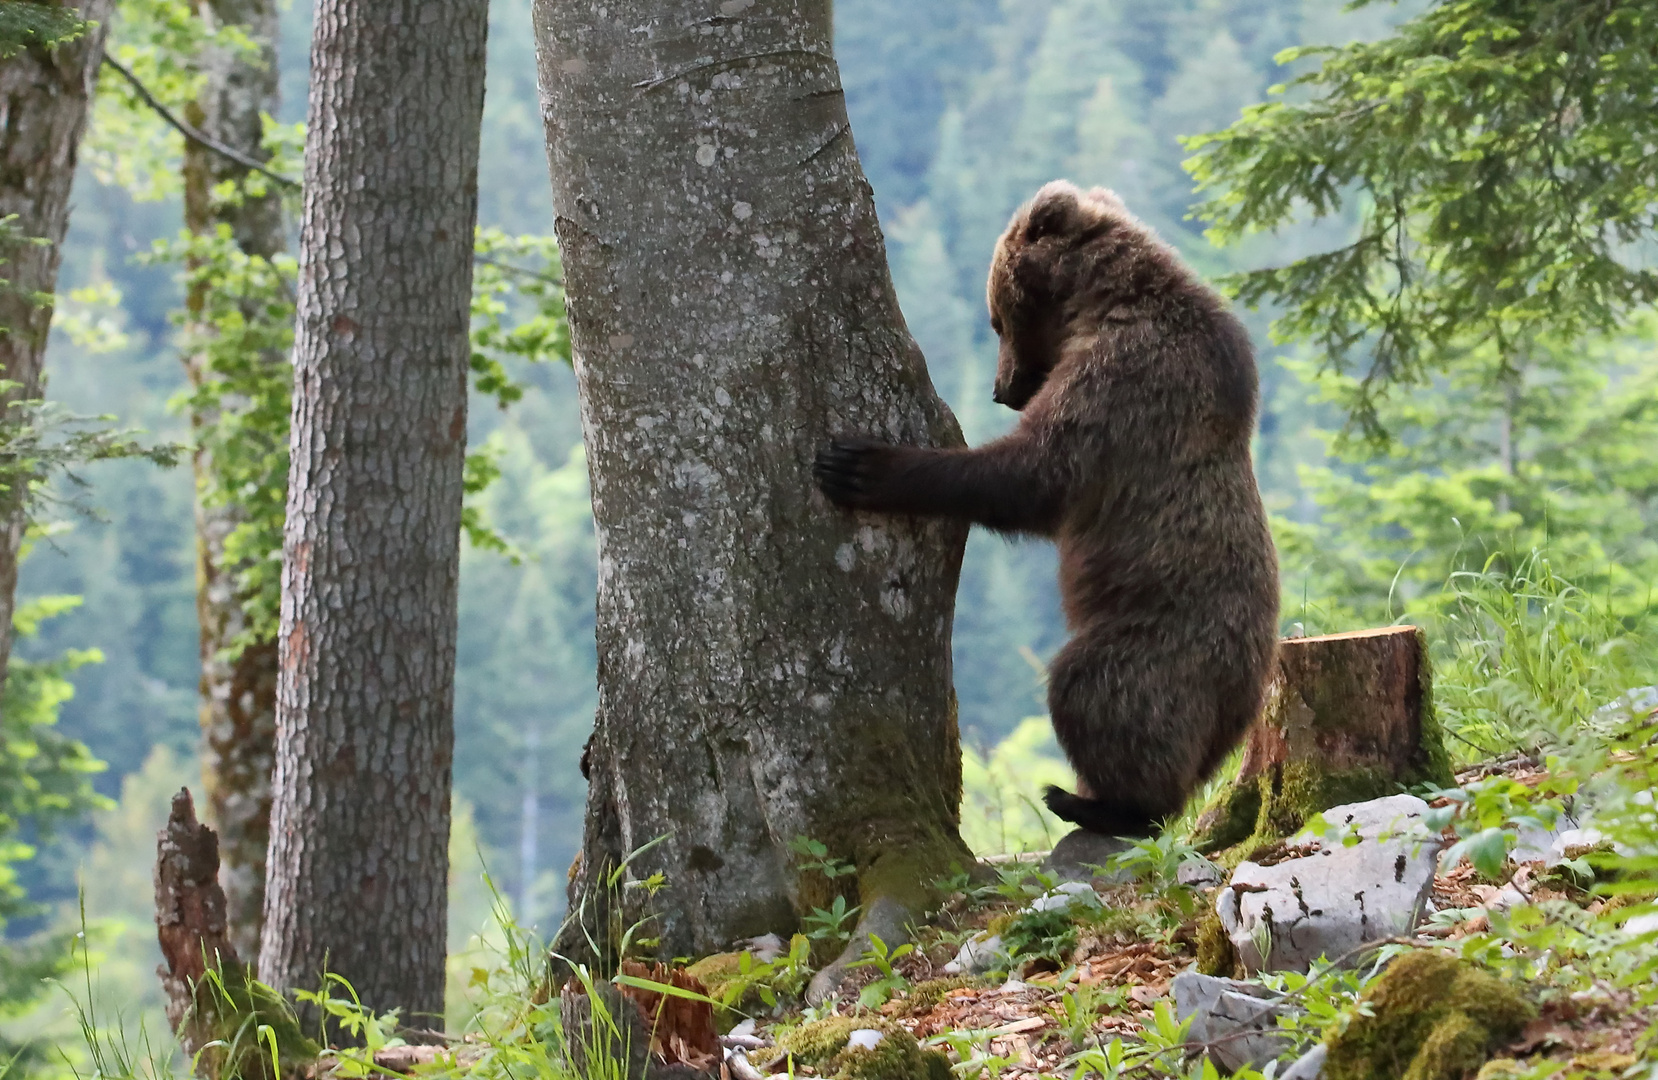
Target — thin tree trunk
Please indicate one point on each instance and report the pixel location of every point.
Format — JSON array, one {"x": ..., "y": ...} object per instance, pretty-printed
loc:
[
  {"x": 238, "y": 688},
  {"x": 43, "y": 102},
  {"x": 769, "y": 667},
  {"x": 365, "y": 701}
]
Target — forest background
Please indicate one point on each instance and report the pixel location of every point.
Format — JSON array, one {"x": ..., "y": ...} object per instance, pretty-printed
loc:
[{"x": 960, "y": 108}]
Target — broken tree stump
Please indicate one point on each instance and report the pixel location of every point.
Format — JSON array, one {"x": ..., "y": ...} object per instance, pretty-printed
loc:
[
  {"x": 213, "y": 1002},
  {"x": 1348, "y": 717}
]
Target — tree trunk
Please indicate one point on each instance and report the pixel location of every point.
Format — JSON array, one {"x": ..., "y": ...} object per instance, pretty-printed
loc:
[
  {"x": 769, "y": 667},
  {"x": 43, "y": 103},
  {"x": 365, "y": 700},
  {"x": 1348, "y": 717},
  {"x": 238, "y": 687}
]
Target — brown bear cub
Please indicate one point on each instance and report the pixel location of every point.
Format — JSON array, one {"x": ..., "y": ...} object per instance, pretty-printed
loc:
[{"x": 1137, "y": 394}]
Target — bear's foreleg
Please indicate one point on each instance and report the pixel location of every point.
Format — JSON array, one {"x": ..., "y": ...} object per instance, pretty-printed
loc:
[{"x": 1004, "y": 485}]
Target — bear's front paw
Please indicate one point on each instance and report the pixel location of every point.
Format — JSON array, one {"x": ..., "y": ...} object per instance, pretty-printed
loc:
[{"x": 849, "y": 469}]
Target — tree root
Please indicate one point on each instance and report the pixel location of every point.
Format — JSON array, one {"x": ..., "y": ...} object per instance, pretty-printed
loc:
[{"x": 884, "y": 917}]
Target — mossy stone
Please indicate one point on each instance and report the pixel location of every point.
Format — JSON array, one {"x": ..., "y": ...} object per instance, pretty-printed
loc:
[
  {"x": 1433, "y": 1017},
  {"x": 822, "y": 1044}
]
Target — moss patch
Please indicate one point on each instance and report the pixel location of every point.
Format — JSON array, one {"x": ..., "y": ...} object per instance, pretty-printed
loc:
[
  {"x": 1433, "y": 1018},
  {"x": 1284, "y": 798},
  {"x": 923, "y": 996},
  {"x": 822, "y": 1044},
  {"x": 1229, "y": 818},
  {"x": 1215, "y": 954}
]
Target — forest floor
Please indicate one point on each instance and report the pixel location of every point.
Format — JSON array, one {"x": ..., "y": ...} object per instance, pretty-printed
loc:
[{"x": 1086, "y": 989}]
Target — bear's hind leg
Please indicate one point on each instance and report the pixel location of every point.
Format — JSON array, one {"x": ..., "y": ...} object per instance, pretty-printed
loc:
[{"x": 1135, "y": 725}]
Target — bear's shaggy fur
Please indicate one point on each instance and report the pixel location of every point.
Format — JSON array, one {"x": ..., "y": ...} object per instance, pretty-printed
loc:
[{"x": 1137, "y": 394}]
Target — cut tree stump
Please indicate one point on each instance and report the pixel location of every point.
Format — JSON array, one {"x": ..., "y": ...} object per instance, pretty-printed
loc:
[{"x": 1348, "y": 717}]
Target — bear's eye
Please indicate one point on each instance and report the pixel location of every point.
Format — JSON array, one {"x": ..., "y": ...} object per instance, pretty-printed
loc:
[{"x": 996, "y": 324}]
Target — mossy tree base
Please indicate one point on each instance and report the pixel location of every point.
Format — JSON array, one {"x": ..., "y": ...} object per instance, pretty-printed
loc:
[{"x": 1349, "y": 717}]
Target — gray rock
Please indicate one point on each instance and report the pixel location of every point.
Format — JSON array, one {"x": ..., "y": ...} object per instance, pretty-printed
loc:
[
  {"x": 1081, "y": 855},
  {"x": 1237, "y": 1021},
  {"x": 1641, "y": 924},
  {"x": 1309, "y": 1066},
  {"x": 765, "y": 948},
  {"x": 1199, "y": 874},
  {"x": 979, "y": 954},
  {"x": 1067, "y": 895},
  {"x": 1370, "y": 878}
]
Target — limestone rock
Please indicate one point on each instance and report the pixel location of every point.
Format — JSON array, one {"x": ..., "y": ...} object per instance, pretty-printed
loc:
[
  {"x": 1309, "y": 1066},
  {"x": 1367, "y": 877},
  {"x": 978, "y": 954},
  {"x": 1199, "y": 874},
  {"x": 1237, "y": 1020}
]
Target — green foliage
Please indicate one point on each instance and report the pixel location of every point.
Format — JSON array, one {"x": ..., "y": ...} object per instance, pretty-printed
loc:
[
  {"x": 44, "y": 774},
  {"x": 1504, "y": 455},
  {"x": 832, "y": 924},
  {"x": 1498, "y": 152},
  {"x": 41, "y": 441},
  {"x": 26, "y": 25},
  {"x": 881, "y": 957},
  {"x": 1081, "y": 1006},
  {"x": 1041, "y": 935},
  {"x": 742, "y": 981},
  {"x": 1529, "y": 657},
  {"x": 45, "y": 782},
  {"x": 241, "y": 331},
  {"x": 1488, "y": 815},
  {"x": 1001, "y": 810},
  {"x": 814, "y": 856}
]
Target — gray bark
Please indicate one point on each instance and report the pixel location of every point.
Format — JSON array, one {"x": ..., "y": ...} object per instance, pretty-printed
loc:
[
  {"x": 43, "y": 104},
  {"x": 238, "y": 695},
  {"x": 769, "y": 667},
  {"x": 365, "y": 725}
]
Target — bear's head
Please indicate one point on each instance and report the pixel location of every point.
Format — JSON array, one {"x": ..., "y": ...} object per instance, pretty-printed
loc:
[{"x": 1039, "y": 280}]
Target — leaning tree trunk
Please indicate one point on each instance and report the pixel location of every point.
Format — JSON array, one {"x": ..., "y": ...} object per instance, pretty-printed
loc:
[
  {"x": 769, "y": 667},
  {"x": 238, "y": 684},
  {"x": 365, "y": 702},
  {"x": 43, "y": 102},
  {"x": 1348, "y": 717}
]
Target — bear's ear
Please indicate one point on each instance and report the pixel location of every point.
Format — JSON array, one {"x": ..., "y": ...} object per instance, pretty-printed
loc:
[{"x": 1052, "y": 212}]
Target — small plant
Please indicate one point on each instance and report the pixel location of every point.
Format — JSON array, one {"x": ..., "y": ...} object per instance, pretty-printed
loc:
[
  {"x": 1080, "y": 1008},
  {"x": 814, "y": 855},
  {"x": 1020, "y": 883},
  {"x": 831, "y": 924},
  {"x": 973, "y": 1059},
  {"x": 881, "y": 958},
  {"x": 773, "y": 982},
  {"x": 1488, "y": 814},
  {"x": 1045, "y": 935},
  {"x": 370, "y": 1032}
]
